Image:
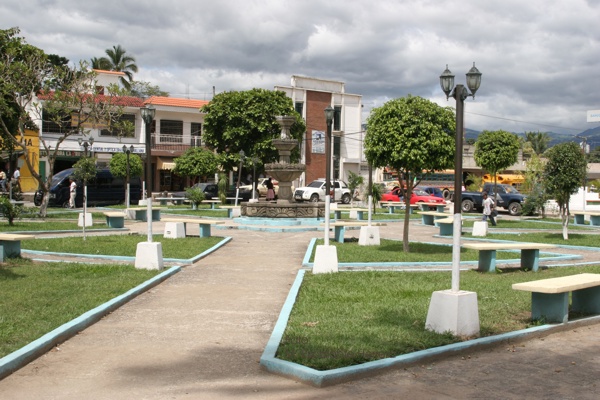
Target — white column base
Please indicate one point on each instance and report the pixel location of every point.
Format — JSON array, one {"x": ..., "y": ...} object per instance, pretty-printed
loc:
[
  {"x": 88, "y": 219},
  {"x": 326, "y": 260},
  {"x": 480, "y": 228},
  {"x": 174, "y": 230},
  {"x": 369, "y": 236},
  {"x": 454, "y": 312},
  {"x": 143, "y": 202},
  {"x": 148, "y": 255}
]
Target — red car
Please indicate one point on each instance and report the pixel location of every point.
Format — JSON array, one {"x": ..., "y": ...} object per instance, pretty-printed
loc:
[{"x": 418, "y": 196}]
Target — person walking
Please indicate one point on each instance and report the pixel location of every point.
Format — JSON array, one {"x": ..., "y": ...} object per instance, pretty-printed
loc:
[
  {"x": 16, "y": 178},
  {"x": 72, "y": 192},
  {"x": 3, "y": 180},
  {"x": 270, "y": 189},
  {"x": 488, "y": 209}
]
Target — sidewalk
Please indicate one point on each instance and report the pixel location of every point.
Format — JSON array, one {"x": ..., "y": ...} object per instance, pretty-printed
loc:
[{"x": 200, "y": 335}]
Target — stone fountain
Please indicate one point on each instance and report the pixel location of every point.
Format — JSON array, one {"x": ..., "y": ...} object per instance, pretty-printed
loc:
[{"x": 284, "y": 172}]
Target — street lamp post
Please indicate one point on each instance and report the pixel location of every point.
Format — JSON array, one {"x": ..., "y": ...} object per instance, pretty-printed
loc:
[
  {"x": 454, "y": 310},
  {"x": 85, "y": 144},
  {"x": 127, "y": 151},
  {"x": 326, "y": 260},
  {"x": 149, "y": 254},
  {"x": 460, "y": 94},
  {"x": 237, "y": 189},
  {"x": 254, "y": 161}
]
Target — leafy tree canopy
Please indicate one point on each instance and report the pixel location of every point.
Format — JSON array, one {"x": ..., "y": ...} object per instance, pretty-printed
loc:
[
  {"x": 145, "y": 89},
  {"x": 117, "y": 60},
  {"x": 118, "y": 165},
  {"x": 539, "y": 141},
  {"x": 496, "y": 150},
  {"x": 197, "y": 162},
  {"x": 245, "y": 121},
  {"x": 411, "y": 135}
]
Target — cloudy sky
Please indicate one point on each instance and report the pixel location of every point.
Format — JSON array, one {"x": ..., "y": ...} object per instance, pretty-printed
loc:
[{"x": 540, "y": 59}]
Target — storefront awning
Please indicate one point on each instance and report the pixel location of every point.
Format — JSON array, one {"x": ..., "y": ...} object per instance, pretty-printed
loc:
[{"x": 167, "y": 164}]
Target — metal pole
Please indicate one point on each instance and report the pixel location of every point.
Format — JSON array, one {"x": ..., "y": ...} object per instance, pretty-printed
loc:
[
  {"x": 459, "y": 96},
  {"x": 149, "y": 183},
  {"x": 327, "y": 179}
]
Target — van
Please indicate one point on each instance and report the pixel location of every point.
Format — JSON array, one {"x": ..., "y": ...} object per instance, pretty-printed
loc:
[{"x": 104, "y": 189}]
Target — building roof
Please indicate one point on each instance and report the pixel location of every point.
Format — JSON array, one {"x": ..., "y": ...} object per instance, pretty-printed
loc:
[
  {"x": 124, "y": 101},
  {"x": 104, "y": 71},
  {"x": 175, "y": 102}
]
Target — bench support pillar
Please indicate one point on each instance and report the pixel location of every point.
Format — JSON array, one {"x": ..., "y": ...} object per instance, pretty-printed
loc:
[
  {"x": 427, "y": 219},
  {"x": 204, "y": 230},
  {"x": 339, "y": 232},
  {"x": 530, "y": 259},
  {"x": 579, "y": 219},
  {"x": 586, "y": 300},
  {"x": 487, "y": 260},
  {"x": 550, "y": 307},
  {"x": 446, "y": 229},
  {"x": 9, "y": 249}
]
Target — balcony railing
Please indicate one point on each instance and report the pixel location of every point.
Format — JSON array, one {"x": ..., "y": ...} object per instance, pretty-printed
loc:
[{"x": 175, "y": 142}]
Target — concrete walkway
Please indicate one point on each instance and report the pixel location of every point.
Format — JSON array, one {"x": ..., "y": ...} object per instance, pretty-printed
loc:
[{"x": 200, "y": 335}]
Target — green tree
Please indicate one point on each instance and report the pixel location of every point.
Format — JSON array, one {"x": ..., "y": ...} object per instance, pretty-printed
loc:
[
  {"x": 563, "y": 174},
  {"x": 145, "y": 89},
  {"x": 495, "y": 151},
  {"x": 196, "y": 163},
  {"x": 245, "y": 120},
  {"x": 539, "y": 141},
  {"x": 70, "y": 101},
  {"x": 119, "y": 61},
  {"x": 118, "y": 165},
  {"x": 354, "y": 182},
  {"x": 411, "y": 135},
  {"x": 534, "y": 187},
  {"x": 100, "y": 63}
]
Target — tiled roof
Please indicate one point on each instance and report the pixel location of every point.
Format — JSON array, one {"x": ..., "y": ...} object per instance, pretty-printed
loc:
[
  {"x": 124, "y": 101},
  {"x": 103, "y": 71},
  {"x": 175, "y": 102}
]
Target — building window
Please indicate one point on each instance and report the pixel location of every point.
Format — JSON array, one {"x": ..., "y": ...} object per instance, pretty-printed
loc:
[
  {"x": 196, "y": 133},
  {"x": 124, "y": 126},
  {"x": 171, "y": 131},
  {"x": 52, "y": 123},
  {"x": 337, "y": 118},
  {"x": 299, "y": 107}
]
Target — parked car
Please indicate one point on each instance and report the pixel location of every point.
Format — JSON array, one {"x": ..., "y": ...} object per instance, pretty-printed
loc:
[
  {"x": 418, "y": 196},
  {"x": 507, "y": 197},
  {"x": 315, "y": 192},
  {"x": 261, "y": 188},
  {"x": 104, "y": 189},
  {"x": 211, "y": 191},
  {"x": 433, "y": 191}
]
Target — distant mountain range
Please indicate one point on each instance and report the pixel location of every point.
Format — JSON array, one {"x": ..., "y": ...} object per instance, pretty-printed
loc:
[{"x": 592, "y": 137}]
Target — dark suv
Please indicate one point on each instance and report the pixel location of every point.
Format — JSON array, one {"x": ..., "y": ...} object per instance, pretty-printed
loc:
[{"x": 211, "y": 191}]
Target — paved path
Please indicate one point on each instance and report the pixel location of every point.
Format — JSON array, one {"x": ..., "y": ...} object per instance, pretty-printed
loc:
[{"x": 200, "y": 335}]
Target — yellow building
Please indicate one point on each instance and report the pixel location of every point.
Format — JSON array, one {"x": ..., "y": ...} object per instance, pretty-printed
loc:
[{"x": 32, "y": 142}]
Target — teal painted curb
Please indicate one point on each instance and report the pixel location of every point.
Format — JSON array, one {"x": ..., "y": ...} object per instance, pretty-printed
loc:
[
  {"x": 33, "y": 350},
  {"x": 129, "y": 258},
  {"x": 390, "y": 265},
  {"x": 269, "y": 362}
]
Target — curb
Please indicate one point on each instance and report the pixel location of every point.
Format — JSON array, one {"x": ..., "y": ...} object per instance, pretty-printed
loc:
[
  {"x": 270, "y": 363},
  {"x": 38, "y": 347}
]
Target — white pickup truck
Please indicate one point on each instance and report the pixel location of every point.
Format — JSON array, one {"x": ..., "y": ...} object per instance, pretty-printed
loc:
[{"x": 315, "y": 192}]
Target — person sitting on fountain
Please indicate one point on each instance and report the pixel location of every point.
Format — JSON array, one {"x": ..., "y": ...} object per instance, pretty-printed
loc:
[{"x": 270, "y": 189}]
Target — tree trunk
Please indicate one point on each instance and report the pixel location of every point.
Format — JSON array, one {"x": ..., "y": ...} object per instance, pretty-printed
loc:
[
  {"x": 564, "y": 214},
  {"x": 405, "y": 234}
]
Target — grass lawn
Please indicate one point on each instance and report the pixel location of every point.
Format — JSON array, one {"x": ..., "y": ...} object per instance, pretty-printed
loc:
[
  {"x": 350, "y": 318},
  {"x": 201, "y": 212},
  {"x": 39, "y": 297},
  {"x": 122, "y": 245},
  {"x": 546, "y": 224},
  {"x": 392, "y": 251},
  {"x": 52, "y": 225},
  {"x": 575, "y": 239}
]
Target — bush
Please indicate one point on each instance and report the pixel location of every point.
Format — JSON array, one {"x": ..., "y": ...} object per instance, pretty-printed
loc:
[
  {"x": 195, "y": 195},
  {"x": 9, "y": 210}
]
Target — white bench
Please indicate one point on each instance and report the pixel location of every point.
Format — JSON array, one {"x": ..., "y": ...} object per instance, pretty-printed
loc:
[
  {"x": 140, "y": 213},
  {"x": 439, "y": 207},
  {"x": 530, "y": 253},
  {"x": 339, "y": 227},
  {"x": 115, "y": 219},
  {"x": 232, "y": 211},
  {"x": 550, "y": 297},
  {"x": 429, "y": 217},
  {"x": 446, "y": 225},
  {"x": 580, "y": 217},
  {"x": 212, "y": 203},
  {"x": 10, "y": 245},
  {"x": 203, "y": 224},
  {"x": 392, "y": 205}
]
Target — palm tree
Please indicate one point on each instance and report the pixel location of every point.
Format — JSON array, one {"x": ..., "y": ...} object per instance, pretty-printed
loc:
[
  {"x": 539, "y": 141},
  {"x": 119, "y": 61},
  {"x": 100, "y": 63}
]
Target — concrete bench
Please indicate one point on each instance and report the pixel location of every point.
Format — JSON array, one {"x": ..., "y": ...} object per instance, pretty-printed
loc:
[
  {"x": 429, "y": 217},
  {"x": 115, "y": 219},
  {"x": 446, "y": 225},
  {"x": 339, "y": 227},
  {"x": 176, "y": 200},
  {"x": 439, "y": 207},
  {"x": 550, "y": 297},
  {"x": 203, "y": 224},
  {"x": 232, "y": 211},
  {"x": 10, "y": 245},
  {"x": 530, "y": 253},
  {"x": 392, "y": 205},
  {"x": 579, "y": 217},
  {"x": 140, "y": 213},
  {"x": 212, "y": 203}
]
